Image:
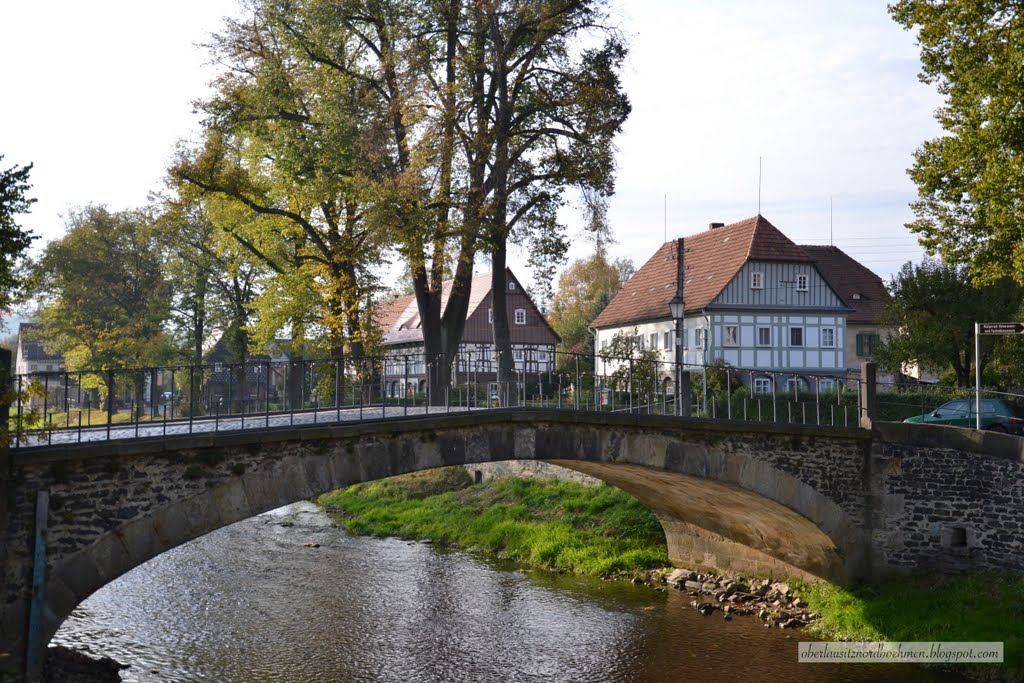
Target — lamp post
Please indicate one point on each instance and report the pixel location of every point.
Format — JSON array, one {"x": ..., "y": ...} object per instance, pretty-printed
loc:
[{"x": 677, "y": 307}]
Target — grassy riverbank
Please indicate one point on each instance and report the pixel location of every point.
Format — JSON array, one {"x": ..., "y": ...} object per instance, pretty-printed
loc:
[
  {"x": 553, "y": 525},
  {"x": 981, "y": 608},
  {"x": 601, "y": 531}
]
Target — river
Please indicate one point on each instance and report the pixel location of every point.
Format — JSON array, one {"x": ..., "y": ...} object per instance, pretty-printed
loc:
[{"x": 289, "y": 596}]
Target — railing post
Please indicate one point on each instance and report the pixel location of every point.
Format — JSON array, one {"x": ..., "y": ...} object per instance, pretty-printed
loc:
[
  {"x": 728, "y": 392},
  {"x": 868, "y": 398},
  {"x": 191, "y": 396},
  {"x": 576, "y": 388},
  {"x": 266, "y": 397},
  {"x": 110, "y": 400}
]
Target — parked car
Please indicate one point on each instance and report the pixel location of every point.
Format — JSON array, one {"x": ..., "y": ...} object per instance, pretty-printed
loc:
[{"x": 996, "y": 415}]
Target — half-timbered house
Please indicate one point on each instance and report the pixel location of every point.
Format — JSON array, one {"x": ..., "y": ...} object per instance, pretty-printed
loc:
[
  {"x": 533, "y": 340},
  {"x": 754, "y": 300}
]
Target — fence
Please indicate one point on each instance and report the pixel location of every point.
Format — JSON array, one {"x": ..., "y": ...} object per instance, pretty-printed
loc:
[{"x": 67, "y": 407}]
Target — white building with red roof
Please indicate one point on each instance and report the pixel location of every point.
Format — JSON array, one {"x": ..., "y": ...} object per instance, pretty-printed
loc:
[{"x": 754, "y": 300}]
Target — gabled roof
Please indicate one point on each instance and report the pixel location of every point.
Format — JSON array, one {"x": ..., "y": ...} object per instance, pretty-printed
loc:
[
  {"x": 399, "y": 319},
  {"x": 711, "y": 259},
  {"x": 858, "y": 287}
]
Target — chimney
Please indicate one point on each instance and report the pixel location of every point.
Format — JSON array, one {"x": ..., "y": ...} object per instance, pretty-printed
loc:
[{"x": 712, "y": 226}]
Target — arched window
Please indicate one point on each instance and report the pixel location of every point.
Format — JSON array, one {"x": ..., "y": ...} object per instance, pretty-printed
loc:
[{"x": 796, "y": 384}]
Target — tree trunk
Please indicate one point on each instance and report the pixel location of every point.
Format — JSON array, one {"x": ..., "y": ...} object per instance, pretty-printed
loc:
[{"x": 508, "y": 387}]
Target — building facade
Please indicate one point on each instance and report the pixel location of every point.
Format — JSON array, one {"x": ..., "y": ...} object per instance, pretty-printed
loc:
[
  {"x": 533, "y": 340},
  {"x": 755, "y": 301}
]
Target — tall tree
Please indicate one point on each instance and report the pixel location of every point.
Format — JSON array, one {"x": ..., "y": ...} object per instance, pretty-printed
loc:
[
  {"x": 933, "y": 307},
  {"x": 102, "y": 293},
  {"x": 103, "y": 297},
  {"x": 552, "y": 105},
  {"x": 14, "y": 240},
  {"x": 285, "y": 141},
  {"x": 971, "y": 179}
]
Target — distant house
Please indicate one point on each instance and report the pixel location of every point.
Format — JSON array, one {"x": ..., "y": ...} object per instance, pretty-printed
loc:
[
  {"x": 42, "y": 370},
  {"x": 755, "y": 300},
  {"x": 31, "y": 356},
  {"x": 533, "y": 340},
  {"x": 252, "y": 382}
]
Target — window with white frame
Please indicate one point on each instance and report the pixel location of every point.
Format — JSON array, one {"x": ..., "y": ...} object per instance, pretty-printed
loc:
[
  {"x": 702, "y": 336},
  {"x": 604, "y": 344},
  {"x": 517, "y": 354},
  {"x": 756, "y": 280},
  {"x": 511, "y": 286},
  {"x": 667, "y": 340},
  {"x": 762, "y": 385},
  {"x": 731, "y": 335},
  {"x": 490, "y": 316},
  {"x": 796, "y": 336},
  {"x": 764, "y": 336},
  {"x": 542, "y": 356},
  {"x": 520, "y": 316},
  {"x": 801, "y": 282},
  {"x": 826, "y": 384},
  {"x": 828, "y": 337},
  {"x": 654, "y": 341},
  {"x": 639, "y": 341}
]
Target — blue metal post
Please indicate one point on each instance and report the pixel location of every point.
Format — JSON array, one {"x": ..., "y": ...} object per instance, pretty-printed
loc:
[{"x": 34, "y": 654}]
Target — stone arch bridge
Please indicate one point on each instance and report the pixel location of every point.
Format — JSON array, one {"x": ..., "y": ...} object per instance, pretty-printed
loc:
[{"x": 835, "y": 504}]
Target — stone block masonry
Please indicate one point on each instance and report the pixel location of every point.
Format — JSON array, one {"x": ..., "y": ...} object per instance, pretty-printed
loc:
[{"x": 941, "y": 507}]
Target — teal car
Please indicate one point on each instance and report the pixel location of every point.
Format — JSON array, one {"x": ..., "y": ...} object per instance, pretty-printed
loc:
[{"x": 996, "y": 415}]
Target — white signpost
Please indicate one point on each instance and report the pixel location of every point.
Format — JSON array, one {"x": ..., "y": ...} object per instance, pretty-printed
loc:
[{"x": 987, "y": 329}]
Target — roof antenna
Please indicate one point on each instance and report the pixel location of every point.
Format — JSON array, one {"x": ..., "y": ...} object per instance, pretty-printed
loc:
[
  {"x": 758, "y": 186},
  {"x": 830, "y": 242}
]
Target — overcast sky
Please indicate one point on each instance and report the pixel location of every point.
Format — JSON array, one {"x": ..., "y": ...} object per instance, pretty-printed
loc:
[{"x": 825, "y": 94}]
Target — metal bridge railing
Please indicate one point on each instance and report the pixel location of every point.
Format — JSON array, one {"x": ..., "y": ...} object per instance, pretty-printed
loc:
[{"x": 89, "y": 405}]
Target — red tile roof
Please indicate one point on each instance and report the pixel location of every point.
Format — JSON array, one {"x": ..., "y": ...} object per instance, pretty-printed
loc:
[
  {"x": 399, "y": 319},
  {"x": 858, "y": 287},
  {"x": 711, "y": 259}
]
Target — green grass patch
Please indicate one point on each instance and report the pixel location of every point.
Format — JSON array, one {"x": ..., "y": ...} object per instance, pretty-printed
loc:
[
  {"x": 553, "y": 525},
  {"x": 971, "y": 608}
]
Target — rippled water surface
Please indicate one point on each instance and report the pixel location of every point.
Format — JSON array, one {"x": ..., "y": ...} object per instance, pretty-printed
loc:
[{"x": 257, "y": 602}]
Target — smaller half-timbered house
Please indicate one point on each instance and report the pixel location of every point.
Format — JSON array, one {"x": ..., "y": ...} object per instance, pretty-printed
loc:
[{"x": 533, "y": 340}]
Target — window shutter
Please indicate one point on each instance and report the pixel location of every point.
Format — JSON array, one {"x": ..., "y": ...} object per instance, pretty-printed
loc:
[{"x": 860, "y": 344}]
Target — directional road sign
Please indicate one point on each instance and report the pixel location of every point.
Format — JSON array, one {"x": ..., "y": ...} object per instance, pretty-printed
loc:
[{"x": 1000, "y": 328}]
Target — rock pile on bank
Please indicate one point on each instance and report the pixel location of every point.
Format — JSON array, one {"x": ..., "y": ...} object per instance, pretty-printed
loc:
[{"x": 774, "y": 602}]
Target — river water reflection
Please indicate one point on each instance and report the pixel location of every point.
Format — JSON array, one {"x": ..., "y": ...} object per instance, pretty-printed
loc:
[{"x": 257, "y": 601}]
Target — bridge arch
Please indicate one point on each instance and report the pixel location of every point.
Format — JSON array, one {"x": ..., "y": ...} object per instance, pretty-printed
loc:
[{"x": 725, "y": 498}]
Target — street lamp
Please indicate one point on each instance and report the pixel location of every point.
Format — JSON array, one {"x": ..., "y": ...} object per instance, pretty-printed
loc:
[{"x": 677, "y": 307}]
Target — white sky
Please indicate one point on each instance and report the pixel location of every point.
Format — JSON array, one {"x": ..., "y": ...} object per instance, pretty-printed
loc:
[{"x": 97, "y": 93}]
